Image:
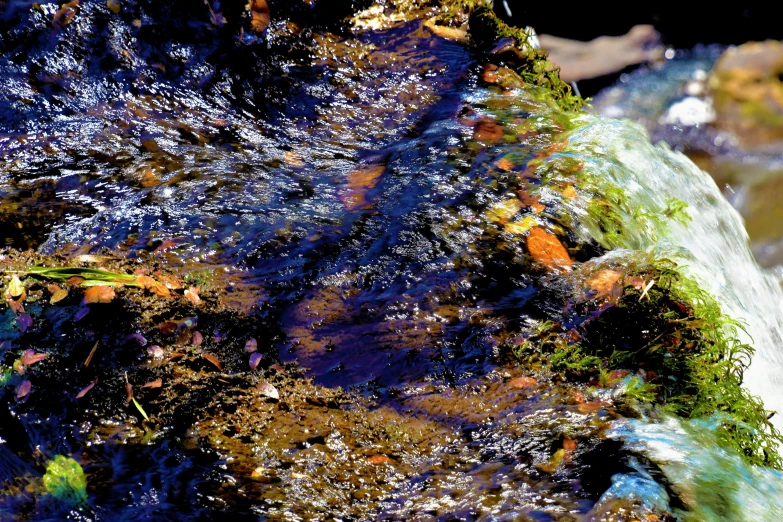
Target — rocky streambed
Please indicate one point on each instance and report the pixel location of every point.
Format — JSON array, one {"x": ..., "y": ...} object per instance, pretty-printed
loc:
[{"x": 358, "y": 261}]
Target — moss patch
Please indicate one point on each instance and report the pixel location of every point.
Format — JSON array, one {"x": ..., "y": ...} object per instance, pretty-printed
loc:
[{"x": 670, "y": 341}]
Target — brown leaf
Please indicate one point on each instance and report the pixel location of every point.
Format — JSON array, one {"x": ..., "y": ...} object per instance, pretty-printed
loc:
[
  {"x": 157, "y": 383},
  {"x": 99, "y": 294},
  {"x": 58, "y": 296},
  {"x": 128, "y": 391},
  {"x": 604, "y": 281},
  {"x": 379, "y": 459},
  {"x": 87, "y": 388},
  {"x": 548, "y": 250},
  {"x": 358, "y": 183},
  {"x": 65, "y": 14},
  {"x": 167, "y": 327},
  {"x": 171, "y": 282},
  {"x": 214, "y": 360},
  {"x": 449, "y": 33},
  {"x": 267, "y": 390},
  {"x": 92, "y": 353},
  {"x": 29, "y": 357},
  {"x": 487, "y": 131},
  {"x": 113, "y": 5},
  {"x": 191, "y": 294},
  {"x": 260, "y": 15},
  {"x": 75, "y": 280},
  {"x": 522, "y": 382}
]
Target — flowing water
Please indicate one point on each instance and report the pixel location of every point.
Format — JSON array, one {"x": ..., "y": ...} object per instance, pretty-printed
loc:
[{"x": 364, "y": 198}]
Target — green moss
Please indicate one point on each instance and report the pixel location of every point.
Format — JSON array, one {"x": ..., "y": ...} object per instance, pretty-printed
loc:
[
  {"x": 64, "y": 479},
  {"x": 676, "y": 335},
  {"x": 534, "y": 68}
]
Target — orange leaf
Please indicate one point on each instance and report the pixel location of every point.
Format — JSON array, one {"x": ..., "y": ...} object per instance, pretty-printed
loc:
[
  {"x": 157, "y": 383},
  {"x": 260, "y": 16},
  {"x": 191, "y": 294},
  {"x": 214, "y": 360},
  {"x": 75, "y": 280},
  {"x": 548, "y": 250},
  {"x": 99, "y": 294}
]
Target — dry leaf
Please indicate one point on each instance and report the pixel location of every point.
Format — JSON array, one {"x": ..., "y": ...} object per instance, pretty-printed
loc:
[
  {"x": 191, "y": 294},
  {"x": 214, "y": 360},
  {"x": 92, "y": 353},
  {"x": 379, "y": 459},
  {"x": 267, "y": 390},
  {"x": 75, "y": 280},
  {"x": 113, "y": 5},
  {"x": 604, "y": 281},
  {"x": 87, "y": 388},
  {"x": 23, "y": 390},
  {"x": 449, "y": 33},
  {"x": 260, "y": 15},
  {"x": 15, "y": 287},
  {"x": 569, "y": 192},
  {"x": 58, "y": 296},
  {"x": 522, "y": 382},
  {"x": 65, "y": 14},
  {"x": 99, "y": 294},
  {"x": 548, "y": 250},
  {"x": 29, "y": 357},
  {"x": 157, "y": 383}
]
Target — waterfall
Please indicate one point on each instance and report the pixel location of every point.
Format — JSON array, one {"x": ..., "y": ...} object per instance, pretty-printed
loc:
[{"x": 713, "y": 247}]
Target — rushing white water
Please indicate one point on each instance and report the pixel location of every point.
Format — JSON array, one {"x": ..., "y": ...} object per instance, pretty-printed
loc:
[
  {"x": 713, "y": 247},
  {"x": 714, "y": 485}
]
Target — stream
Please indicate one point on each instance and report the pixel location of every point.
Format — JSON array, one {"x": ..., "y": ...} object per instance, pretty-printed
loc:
[{"x": 358, "y": 198}]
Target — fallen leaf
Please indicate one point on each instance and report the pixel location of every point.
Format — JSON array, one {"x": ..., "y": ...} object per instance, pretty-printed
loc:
[
  {"x": 75, "y": 280},
  {"x": 128, "y": 391},
  {"x": 65, "y": 14},
  {"x": 487, "y": 131},
  {"x": 197, "y": 339},
  {"x": 251, "y": 345},
  {"x": 15, "y": 287},
  {"x": 141, "y": 410},
  {"x": 299, "y": 476},
  {"x": 29, "y": 357},
  {"x": 553, "y": 463},
  {"x": 379, "y": 459},
  {"x": 359, "y": 182},
  {"x": 214, "y": 360},
  {"x": 171, "y": 282},
  {"x": 138, "y": 338},
  {"x": 502, "y": 211},
  {"x": 191, "y": 294},
  {"x": 489, "y": 73},
  {"x": 92, "y": 353},
  {"x": 267, "y": 390},
  {"x": 449, "y": 33},
  {"x": 168, "y": 327},
  {"x": 25, "y": 322},
  {"x": 604, "y": 281},
  {"x": 569, "y": 444},
  {"x": 58, "y": 296},
  {"x": 504, "y": 164},
  {"x": 548, "y": 250},
  {"x": 23, "y": 390},
  {"x": 81, "y": 314},
  {"x": 99, "y": 294},
  {"x": 155, "y": 351},
  {"x": 157, "y": 383},
  {"x": 113, "y": 5},
  {"x": 519, "y": 227},
  {"x": 260, "y": 15},
  {"x": 522, "y": 382},
  {"x": 87, "y": 388},
  {"x": 255, "y": 359},
  {"x": 569, "y": 192}
]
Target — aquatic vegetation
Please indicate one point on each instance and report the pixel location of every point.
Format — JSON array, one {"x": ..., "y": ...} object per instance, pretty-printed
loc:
[{"x": 65, "y": 480}]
